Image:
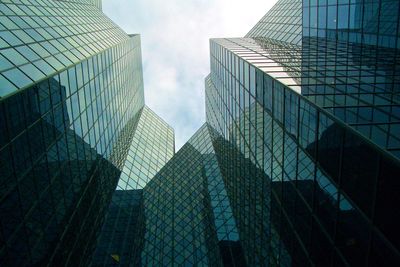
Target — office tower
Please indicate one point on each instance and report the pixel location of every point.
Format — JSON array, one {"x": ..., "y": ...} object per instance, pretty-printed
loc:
[
  {"x": 176, "y": 210},
  {"x": 151, "y": 147},
  {"x": 71, "y": 104},
  {"x": 187, "y": 218},
  {"x": 296, "y": 165},
  {"x": 310, "y": 96},
  {"x": 191, "y": 212}
]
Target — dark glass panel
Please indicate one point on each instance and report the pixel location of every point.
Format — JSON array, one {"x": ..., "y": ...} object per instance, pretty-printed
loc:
[
  {"x": 48, "y": 130},
  {"x": 27, "y": 193},
  {"x": 326, "y": 202},
  {"x": 290, "y": 158},
  {"x": 338, "y": 260},
  {"x": 11, "y": 215},
  {"x": 387, "y": 200},
  {"x": 299, "y": 255},
  {"x": 21, "y": 155},
  {"x": 288, "y": 197},
  {"x": 14, "y": 112},
  {"x": 359, "y": 171},
  {"x": 7, "y": 179},
  {"x": 302, "y": 219},
  {"x": 321, "y": 247},
  {"x": 31, "y": 105},
  {"x": 381, "y": 253},
  {"x": 330, "y": 136},
  {"x": 36, "y": 141},
  {"x": 3, "y": 127},
  {"x": 291, "y": 112},
  {"x": 305, "y": 174},
  {"x": 18, "y": 250},
  {"x": 352, "y": 233},
  {"x": 308, "y": 127}
]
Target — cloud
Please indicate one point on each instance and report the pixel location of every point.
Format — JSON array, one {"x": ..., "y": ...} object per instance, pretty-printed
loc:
[{"x": 175, "y": 49}]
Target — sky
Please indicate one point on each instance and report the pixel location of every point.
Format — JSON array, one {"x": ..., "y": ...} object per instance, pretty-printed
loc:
[{"x": 175, "y": 49}]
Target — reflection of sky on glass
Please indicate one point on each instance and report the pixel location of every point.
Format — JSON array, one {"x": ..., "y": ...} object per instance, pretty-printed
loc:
[{"x": 175, "y": 49}]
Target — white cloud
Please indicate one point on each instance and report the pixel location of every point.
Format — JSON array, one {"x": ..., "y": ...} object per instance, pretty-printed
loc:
[{"x": 175, "y": 40}]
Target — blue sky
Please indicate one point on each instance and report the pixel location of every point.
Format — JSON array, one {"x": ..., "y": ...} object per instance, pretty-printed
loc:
[{"x": 175, "y": 49}]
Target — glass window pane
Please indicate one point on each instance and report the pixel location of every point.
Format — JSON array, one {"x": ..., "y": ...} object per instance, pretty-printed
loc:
[
  {"x": 330, "y": 141},
  {"x": 17, "y": 77}
]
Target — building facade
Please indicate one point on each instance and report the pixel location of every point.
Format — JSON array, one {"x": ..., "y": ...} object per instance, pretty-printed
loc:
[
  {"x": 71, "y": 109},
  {"x": 296, "y": 165},
  {"x": 151, "y": 148},
  {"x": 187, "y": 217},
  {"x": 310, "y": 96}
]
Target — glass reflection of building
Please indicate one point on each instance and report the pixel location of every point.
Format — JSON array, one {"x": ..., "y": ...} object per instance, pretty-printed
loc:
[
  {"x": 71, "y": 104},
  {"x": 187, "y": 218},
  {"x": 296, "y": 165},
  {"x": 151, "y": 146},
  {"x": 310, "y": 96}
]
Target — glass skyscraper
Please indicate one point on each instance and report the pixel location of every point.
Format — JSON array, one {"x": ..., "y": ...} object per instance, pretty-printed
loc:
[
  {"x": 187, "y": 217},
  {"x": 310, "y": 96},
  {"x": 151, "y": 147},
  {"x": 71, "y": 113},
  {"x": 297, "y": 163}
]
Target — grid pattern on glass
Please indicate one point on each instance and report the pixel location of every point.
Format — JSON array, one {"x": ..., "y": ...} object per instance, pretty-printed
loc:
[
  {"x": 327, "y": 182},
  {"x": 39, "y": 38},
  {"x": 224, "y": 222},
  {"x": 246, "y": 184},
  {"x": 364, "y": 22},
  {"x": 105, "y": 90},
  {"x": 282, "y": 22},
  {"x": 152, "y": 146},
  {"x": 350, "y": 64},
  {"x": 347, "y": 63},
  {"x": 178, "y": 219},
  {"x": 55, "y": 137},
  {"x": 223, "y": 216},
  {"x": 187, "y": 215},
  {"x": 117, "y": 243},
  {"x": 357, "y": 84},
  {"x": 337, "y": 77},
  {"x": 97, "y": 3}
]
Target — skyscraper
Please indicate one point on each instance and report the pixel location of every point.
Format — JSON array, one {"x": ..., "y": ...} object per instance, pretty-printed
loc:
[
  {"x": 296, "y": 165},
  {"x": 310, "y": 96},
  {"x": 71, "y": 108},
  {"x": 187, "y": 218},
  {"x": 151, "y": 147}
]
